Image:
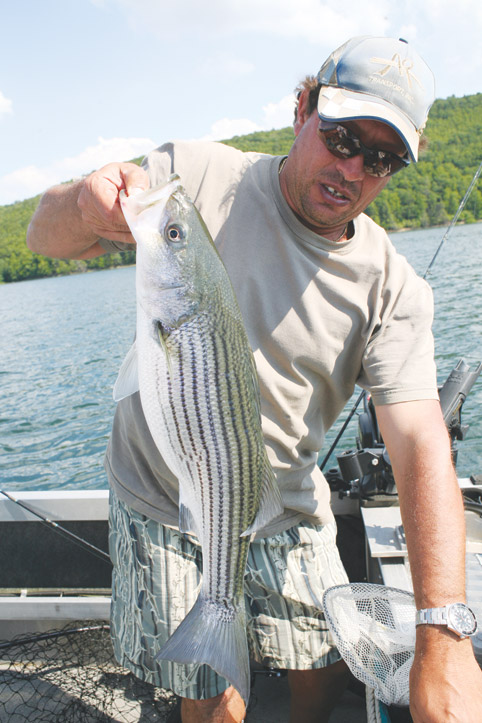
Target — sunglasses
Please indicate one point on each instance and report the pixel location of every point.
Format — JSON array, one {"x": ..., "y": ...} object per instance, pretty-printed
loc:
[{"x": 344, "y": 144}]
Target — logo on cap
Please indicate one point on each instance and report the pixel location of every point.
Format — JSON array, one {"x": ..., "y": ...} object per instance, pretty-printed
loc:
[{"x": 404, "y": 68}]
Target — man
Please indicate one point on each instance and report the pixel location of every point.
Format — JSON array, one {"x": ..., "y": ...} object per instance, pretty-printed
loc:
[{"x": 327, "y": 303}]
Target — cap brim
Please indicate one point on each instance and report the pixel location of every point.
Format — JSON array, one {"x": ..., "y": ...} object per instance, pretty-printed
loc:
[{"x": 342, "y": 105}]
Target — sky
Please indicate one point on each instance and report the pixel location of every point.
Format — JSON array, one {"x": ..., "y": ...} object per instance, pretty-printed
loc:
[{"x": 86, "y": 82}]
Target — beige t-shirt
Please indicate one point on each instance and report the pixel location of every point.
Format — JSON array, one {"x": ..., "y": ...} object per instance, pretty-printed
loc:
[{"x": 321, "y": 316}]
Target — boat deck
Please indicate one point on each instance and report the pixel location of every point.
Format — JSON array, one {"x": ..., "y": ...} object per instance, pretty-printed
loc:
[{"x": 113, "y": 695}]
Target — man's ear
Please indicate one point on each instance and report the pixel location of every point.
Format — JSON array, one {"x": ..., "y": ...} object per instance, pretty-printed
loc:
[{"x": 302, "y": 112}]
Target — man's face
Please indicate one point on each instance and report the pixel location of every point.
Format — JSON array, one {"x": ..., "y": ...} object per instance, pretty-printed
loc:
[{"x": 324, "y": 191}]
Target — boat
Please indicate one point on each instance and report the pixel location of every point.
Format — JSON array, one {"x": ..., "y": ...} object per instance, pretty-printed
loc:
[{"x": 55, "y": 572}]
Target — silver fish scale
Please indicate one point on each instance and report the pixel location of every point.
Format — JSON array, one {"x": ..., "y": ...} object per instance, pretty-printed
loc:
[{"x": 211, "y": 418}]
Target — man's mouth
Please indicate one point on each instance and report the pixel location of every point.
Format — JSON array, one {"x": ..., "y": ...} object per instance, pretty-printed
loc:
[{"x": 336, "y": 194}]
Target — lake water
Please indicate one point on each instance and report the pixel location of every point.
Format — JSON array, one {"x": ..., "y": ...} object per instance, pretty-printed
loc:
[{"x": 62, "y": 341}]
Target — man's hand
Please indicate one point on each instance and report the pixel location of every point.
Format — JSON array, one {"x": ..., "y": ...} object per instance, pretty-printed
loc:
[
  {"x": 445, "y": 680},
  {"x": 71, "y": 218},
  {"x": 99, "y": 199}
]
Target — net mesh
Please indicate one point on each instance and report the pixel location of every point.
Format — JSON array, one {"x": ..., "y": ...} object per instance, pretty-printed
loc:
[
  {"x": 71, "y": 675},
  {"x": 374, "y": 630}
]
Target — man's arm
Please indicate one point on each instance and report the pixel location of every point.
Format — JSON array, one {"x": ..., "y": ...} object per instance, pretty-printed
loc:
[
  {"x": 71, "y": 218},
  {"x": 446, "y": 681}
]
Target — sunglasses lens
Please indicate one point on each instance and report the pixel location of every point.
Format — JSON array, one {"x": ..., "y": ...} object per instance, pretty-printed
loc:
[
  {"x": 340, "y": 143},
  {"x": 381, "y": 164},
  {"x": 344, "y": 144},
  {"x": 380, "y": 167}
]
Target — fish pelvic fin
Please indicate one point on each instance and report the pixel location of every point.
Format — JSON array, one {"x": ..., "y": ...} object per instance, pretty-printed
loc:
[
  {"x": 270, "y": 502},
  {"x": 214, "y": 634},
  {"x": 187, "y": 521},
  {"x": 127, "y": 381}
]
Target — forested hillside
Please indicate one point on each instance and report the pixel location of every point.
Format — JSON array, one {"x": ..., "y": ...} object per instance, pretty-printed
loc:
[{"x": 426, "y": 194}]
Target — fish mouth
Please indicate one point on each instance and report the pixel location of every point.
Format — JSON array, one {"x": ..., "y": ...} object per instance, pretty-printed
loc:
[{"x": 151, "y": 196}]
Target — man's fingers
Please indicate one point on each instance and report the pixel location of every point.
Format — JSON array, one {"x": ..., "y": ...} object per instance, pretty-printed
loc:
[
  {"x": 135, "y": 179},
  {"x": 98, "y": 200}
]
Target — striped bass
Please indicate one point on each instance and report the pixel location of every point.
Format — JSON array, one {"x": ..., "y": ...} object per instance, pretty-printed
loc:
[{"x": 195, "y": 372}]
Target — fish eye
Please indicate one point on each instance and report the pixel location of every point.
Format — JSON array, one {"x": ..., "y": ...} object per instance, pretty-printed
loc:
[{"x": 176, "y": 234}]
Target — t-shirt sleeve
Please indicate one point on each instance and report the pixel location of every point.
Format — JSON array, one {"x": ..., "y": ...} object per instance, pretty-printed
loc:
[{"x": 398, "y": 364}]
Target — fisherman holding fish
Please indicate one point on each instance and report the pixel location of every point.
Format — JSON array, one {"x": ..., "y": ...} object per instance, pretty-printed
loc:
[{"x": 326, "y": 303}]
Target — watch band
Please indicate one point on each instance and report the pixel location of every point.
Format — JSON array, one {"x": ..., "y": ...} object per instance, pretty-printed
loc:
[
  {"x": 458, "y": 618},
  {"x": 431, "y": 616}
]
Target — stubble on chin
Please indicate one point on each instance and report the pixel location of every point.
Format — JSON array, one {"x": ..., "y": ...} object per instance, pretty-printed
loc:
[{"x": 319, "y": 215}]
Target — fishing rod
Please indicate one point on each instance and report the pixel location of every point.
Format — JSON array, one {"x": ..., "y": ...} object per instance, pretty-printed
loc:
[
  {"x": 455, "y": 218},
  {"x": 59, "y": 529},
  {"x": 342, "y": 430},
  {"x": 444, "y": 238}
]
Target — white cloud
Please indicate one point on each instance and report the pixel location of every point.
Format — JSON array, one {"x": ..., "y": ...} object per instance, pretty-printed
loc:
[
  {"x": 319, "y": 22},
  {"x": 312, "y": 20},
  {"x": 6, "y": 105},
  {"x": 30, "y": 180},
  {"x": 105, "y": 151},
  {"x": 227, "y": 65},
  {"x": 274, "y": 115},
  {"x": 25, "y": 183},
  {"x": 279, "y": 115},
  {"x": 228, "y": 127}
]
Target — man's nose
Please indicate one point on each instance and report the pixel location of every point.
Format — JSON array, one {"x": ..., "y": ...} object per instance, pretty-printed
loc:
[{"x": 352, "y": 168}]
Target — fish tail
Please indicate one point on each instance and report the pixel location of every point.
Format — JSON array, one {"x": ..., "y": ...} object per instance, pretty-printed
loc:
[{"x": 214, "y": 634}]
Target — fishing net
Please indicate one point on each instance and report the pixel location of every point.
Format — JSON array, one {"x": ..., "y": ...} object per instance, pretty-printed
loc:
[
  {"x": 374, "y": 630},
  {"x": 71, "y": 675}
]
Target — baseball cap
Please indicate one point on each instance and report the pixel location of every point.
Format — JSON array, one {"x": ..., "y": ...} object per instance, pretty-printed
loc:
[{"x": 380, "y": 79}]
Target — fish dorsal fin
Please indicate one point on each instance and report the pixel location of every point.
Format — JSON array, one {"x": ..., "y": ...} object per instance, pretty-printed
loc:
[
  {"x": 270, "y": 502},
  {"x": 127, "y": 381}
]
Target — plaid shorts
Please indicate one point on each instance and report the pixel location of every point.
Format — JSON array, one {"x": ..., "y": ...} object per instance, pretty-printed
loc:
[{"x": 156, "y": 580}]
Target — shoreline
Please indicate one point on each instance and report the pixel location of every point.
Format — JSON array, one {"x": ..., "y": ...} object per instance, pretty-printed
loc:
[{"x": 78, "y": 272}]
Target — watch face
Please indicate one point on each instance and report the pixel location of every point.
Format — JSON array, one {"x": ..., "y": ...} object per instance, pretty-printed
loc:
[{"x": 462, "y": 619}]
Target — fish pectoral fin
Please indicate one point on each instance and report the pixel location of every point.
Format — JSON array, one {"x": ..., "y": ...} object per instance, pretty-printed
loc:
[
  {"x": 270, "y": 502},
  {"x": 127, "y": 381},
  {"x": 162, "y": 335}
]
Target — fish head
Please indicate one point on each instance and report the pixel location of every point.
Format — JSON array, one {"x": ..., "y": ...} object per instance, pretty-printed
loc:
[{"x": 172, "y": 251}]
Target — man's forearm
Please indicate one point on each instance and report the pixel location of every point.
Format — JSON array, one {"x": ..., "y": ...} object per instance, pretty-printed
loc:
[
  {"x": 433, "y": 518},
  {"x": 57, "y": 229},
  {"x": 430, "y": 503},
  {"x": 73, "y": 217}
]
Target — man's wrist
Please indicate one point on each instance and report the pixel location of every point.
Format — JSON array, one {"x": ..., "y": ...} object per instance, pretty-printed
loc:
[{"x": 456, "y": 617}]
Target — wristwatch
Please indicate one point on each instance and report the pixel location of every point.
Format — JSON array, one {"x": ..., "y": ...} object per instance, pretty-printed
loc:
[{"x": 458, "y": 617}]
